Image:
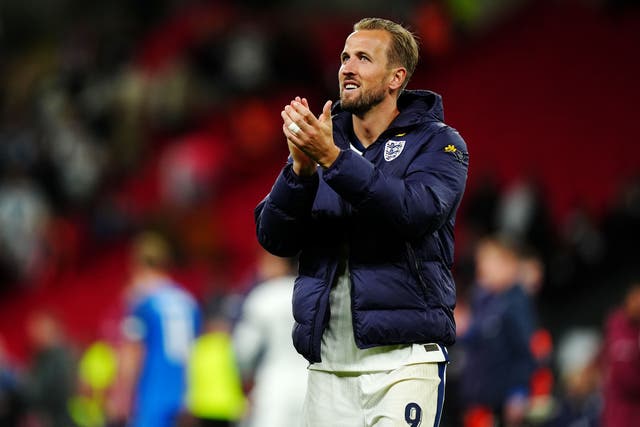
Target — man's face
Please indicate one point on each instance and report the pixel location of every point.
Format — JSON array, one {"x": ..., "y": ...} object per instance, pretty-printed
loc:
[{"x": 364, "y": 74}]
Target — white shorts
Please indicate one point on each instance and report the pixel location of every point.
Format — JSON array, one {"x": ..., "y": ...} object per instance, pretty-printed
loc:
[{"x": 411, "y": 395}]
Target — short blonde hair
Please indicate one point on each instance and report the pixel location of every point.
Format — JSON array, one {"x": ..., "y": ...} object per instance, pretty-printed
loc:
[
  {"x": 151, "y": 249},
  {"x": 403, "y": 49}
]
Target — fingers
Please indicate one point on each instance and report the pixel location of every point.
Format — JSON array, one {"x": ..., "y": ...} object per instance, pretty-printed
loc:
[
  {"x": 294, "y": 116},
  {"x": 292, "y": 137},
  {"x": 303, "y": 101},
  {"x": 326, "y": 111},
  {"x": 291, "y": 124},
  {"x": 299, "y": 112},
  {"x": 297, "y": 118}
]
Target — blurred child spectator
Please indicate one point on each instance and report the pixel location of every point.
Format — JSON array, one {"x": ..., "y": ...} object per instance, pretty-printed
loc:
[
  {"x": 51, "y": 373},
  {"x": 263, "y": 345},
  {"x": 497, "y": 357},
  {"x": 621, "y": 359},
  {"x": 160, "y": 329}
]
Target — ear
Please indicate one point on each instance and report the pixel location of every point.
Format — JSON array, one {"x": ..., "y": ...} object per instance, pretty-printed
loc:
[{"x": 398, "y": 77}]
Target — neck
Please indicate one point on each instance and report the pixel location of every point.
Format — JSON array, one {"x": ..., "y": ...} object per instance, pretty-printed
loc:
[
  {"x": 370, "y": 125},
  {"x": 146, "y": 278}
]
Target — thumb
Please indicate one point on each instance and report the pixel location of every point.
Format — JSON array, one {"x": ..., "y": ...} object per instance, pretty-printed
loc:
[{"x": 326, "y": 112}]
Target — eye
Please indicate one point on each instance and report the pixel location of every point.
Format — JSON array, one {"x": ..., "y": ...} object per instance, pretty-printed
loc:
[
  {"x": 364, "y": 58},
  {"x": 344, "y": 58}
]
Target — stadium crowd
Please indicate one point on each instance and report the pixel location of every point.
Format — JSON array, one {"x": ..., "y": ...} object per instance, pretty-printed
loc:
[{"x": 119, "y": 117}]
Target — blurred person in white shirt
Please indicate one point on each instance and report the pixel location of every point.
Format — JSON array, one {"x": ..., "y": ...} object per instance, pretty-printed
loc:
[{"x": 262, "y": 339}]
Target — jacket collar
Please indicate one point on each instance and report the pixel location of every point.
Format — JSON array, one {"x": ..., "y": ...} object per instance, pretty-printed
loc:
[{"x": 416, "y": 107}]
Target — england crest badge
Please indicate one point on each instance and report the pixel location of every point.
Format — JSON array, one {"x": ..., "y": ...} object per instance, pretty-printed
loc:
[{"x": 392, "y": 149}]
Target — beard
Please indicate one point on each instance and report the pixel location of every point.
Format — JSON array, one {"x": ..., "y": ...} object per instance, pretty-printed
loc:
[{"x": 364, "y": 102}]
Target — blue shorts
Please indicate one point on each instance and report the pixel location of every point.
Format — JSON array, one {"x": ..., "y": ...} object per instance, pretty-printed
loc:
[{"x": 156, "y": 416}]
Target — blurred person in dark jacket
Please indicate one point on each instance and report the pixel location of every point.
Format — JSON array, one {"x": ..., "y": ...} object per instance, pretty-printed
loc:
[
  {"x": 51, "y": 375},
  {"x": 621, "y": 359},
  {"x": 498, "y": 361}
]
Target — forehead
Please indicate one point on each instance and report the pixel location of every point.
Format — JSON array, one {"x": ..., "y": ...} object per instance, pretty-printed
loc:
[{"x": 374, "y": 42}]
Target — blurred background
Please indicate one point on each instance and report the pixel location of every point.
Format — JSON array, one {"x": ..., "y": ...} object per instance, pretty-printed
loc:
[{"x": 127, "y": 115}]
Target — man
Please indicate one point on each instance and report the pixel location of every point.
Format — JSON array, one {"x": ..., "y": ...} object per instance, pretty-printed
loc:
[
  {"x": 160, "y": 328},
  {"x": 368, "y": 198}
]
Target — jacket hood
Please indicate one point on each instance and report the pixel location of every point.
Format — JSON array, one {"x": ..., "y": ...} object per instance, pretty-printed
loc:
[{"x": 416, "y": 107}]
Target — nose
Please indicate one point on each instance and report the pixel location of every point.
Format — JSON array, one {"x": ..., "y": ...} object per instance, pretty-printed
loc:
[{"x": 347, "y": 67}]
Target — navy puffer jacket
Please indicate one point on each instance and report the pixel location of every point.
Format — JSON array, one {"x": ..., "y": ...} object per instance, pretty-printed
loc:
[{"x": 391, "y": 211}]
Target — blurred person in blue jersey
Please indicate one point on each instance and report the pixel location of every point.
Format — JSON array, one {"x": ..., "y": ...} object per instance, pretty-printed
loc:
[{"x": 160, "y": 329}]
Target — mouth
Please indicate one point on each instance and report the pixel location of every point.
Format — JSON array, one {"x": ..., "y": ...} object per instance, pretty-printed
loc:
[{"x": 350, "y": 86}]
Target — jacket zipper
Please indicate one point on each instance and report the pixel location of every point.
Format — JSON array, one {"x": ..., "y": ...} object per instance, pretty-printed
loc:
[{"x": 417, "y": 270}]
